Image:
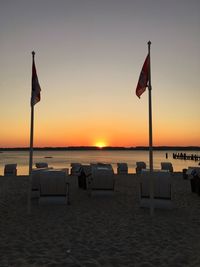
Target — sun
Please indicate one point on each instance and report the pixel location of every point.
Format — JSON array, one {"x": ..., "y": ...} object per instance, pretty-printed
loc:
[{"x": 100, "y": 144}]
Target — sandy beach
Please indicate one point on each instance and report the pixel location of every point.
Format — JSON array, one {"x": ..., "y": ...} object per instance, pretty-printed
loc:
[{"x": 105, "y": 231}]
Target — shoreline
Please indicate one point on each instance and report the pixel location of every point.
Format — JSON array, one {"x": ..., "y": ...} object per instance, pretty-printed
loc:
[{"x": 106, "y": 148}]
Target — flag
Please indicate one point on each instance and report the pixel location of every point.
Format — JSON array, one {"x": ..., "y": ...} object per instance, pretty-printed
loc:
[
  {"x": 35, "y": 97},
  {"x": 144, "y": 77}
]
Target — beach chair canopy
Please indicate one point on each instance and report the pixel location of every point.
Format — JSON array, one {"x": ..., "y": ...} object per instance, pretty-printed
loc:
[{"x": 102, "y": 177}]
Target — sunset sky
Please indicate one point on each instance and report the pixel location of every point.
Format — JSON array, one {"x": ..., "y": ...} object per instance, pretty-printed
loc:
[{"x": 89, "y": 54}]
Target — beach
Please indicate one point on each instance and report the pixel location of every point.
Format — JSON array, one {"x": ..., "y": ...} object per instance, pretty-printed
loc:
[{"x": 104, "y": 230}]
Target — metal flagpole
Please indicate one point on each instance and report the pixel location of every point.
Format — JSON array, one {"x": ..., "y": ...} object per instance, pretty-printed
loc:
[
  {"x": 31, "y": 140},
  {"x": 150, "y": 115},
  {"x": 32, "y": 127},
  {"x": 150, "y": 136},
  {"x": 30, "y": 160},
  {"x": 31, "y": 149}
]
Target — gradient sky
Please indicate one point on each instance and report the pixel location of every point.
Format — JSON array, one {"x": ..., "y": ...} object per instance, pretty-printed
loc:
[{"x": 89, "y": 54}]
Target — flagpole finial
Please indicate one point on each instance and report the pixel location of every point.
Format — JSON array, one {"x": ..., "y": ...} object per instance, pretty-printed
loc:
[
  {"x": 149, "y": 46},
  {"x": 149, "y": 43}
]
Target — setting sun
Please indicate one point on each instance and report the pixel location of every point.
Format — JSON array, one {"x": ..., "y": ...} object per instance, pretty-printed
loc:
[{"x": 100, "y": 144}]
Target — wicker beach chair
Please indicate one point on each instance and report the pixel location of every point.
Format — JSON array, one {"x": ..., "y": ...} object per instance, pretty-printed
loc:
[
  {"x": 101, "y": 180},
  {"x": 166, "y": 166},
  {"x": 122, "y": 168},
  {"x": 76, "y": 169},
  {"x": 54, "y": 187},
  {"x": 10, "y": 170},
  {"x": 162, "y": 189},
  {"x": 140, "y": 165},
  {"x": 193, "y": 174}
]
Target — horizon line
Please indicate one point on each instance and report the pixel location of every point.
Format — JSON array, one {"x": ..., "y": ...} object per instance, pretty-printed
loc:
[{"x": 164, "y": 147}]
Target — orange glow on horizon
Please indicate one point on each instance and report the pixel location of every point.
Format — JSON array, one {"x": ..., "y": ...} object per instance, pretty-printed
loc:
[
  {"x": 57, "y": 134},
  {"x": 100, "y": 144}
]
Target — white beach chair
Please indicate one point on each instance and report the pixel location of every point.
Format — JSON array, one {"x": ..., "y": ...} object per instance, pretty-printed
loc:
[
  {"x": 35, "y": 179},
  {"x": 162, "y": 189},
  {"x": 101, "y": 180},
  {"x": 54, "y": 187},
  {"x": 166, "y": 166},
  {"x": 122, "y": 168},
  {"x": 10, "y": 169},
  {"x": 140, "y": 165}
]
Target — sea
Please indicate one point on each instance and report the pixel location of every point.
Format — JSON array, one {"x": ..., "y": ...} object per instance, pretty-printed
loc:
[{"x": 63, "y": 159}]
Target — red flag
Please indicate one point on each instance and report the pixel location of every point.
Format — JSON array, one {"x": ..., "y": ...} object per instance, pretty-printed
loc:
[
  {"x": 35, "y": 97},
  {"x": 144, "y": 77}
]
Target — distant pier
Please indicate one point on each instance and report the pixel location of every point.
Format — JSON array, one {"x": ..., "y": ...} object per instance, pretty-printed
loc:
[{"x": 185, "y": 156}]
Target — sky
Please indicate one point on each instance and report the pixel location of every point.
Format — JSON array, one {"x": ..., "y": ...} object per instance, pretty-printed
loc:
[{"x": 89, "y": 54}]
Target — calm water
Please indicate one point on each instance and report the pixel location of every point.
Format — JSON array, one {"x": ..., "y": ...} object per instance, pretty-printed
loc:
[{"x": 63, "y": 159}]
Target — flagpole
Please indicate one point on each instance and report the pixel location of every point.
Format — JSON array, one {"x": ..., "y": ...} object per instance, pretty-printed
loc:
[
  {"x": 31, "y": 130},
  {"x": 30, "y": 160},
  {"x": 150, "y": 136},
  {"x": 31, "y": 149},
  {"x": 31, "y": 140},
  {"x": 150, "y": 114}
]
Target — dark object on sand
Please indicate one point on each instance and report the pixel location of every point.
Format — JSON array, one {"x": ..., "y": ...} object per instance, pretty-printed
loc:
[{"x": 195, "y": 182}]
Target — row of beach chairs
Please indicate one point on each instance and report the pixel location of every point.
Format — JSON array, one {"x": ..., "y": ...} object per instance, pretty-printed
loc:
[
  {"x": 53, "y": 184},
  {"x": 122, "y": 168},
  {"x": 50, "y": 184}
]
